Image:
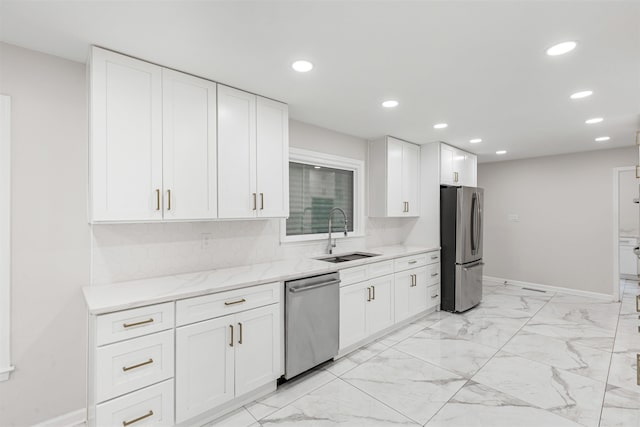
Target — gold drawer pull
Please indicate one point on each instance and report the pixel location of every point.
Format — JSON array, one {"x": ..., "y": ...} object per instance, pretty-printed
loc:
[
  {"x": 638, "y": 368},
  {"x": 434, "y": 256},
  {"x": 240, "y": 326},
  {"x": 434, "y": 296},
  {"x": 373, "y": 288},
  {"x": 413, "y": 262},
  {"x": 128, "y": 368},
  {"x": 144, "y": 322},
  {"x": 369, "y": 296},
  {"x": 255, "y": 202},
  {"x": 135, "y": 420},
  {"x": 240, "y": 301},
  {"x": 231, "y": 333},
  {"x": 638, "y": 303},
  {"x": 261, "y": 201}
]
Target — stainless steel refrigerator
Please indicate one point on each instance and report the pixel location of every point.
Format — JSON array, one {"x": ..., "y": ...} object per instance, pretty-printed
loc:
[{"x": 461, "y": 241}]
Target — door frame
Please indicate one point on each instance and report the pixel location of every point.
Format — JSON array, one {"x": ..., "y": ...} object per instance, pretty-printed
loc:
[
  {"x": 616, "y": 229},
  {"x": 5, "y": 237}
]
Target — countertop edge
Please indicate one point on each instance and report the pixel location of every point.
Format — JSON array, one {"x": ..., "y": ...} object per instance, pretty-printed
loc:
[{"x": 91, "y": 293}]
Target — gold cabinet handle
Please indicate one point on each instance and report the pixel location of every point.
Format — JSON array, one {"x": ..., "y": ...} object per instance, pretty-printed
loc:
[
  {"x": 261, "y": 201},
  {"x": 255, "y": 201},
  {"x": 168, "y": 200},
  {"x": 240, "y": 327},
  {"x": 231, "y": 332},
  {"x": 240, "y": 301},
  {"x": 128, "y": 368},
  {"x": 135, "y": 420},
  {"x": 373, "y": 288},
  {"x": 369, "y": 296},
  {"x": 407, "y": 207},
  {"x": 638, "y": 368},
  {"x": 157, "y": 199},
  {"x": 434, "y": 296},
  {"x": 144, "y": 322},
  {"x": 434, "y": 256},
  {"x": 638, "y": 303},
  {"x": 413, "y": 262},
  {"x": 434, "y": 274},
  {"x": 455, "y": 177}
]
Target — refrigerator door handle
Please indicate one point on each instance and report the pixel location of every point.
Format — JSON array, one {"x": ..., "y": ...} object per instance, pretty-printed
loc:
[
  {"x": 478, "y": 242},
  {"x": 475, "y": 264},
  {"x": 474, "y": 201}
]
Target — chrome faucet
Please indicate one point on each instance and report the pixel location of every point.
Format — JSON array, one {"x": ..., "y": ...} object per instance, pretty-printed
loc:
[{"x": 330, "y": 245}]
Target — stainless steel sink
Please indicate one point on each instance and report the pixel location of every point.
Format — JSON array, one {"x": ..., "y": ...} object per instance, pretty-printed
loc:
[{"x": 347, "y": 257}]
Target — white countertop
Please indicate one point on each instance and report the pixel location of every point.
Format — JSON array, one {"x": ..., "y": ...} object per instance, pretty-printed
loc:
[{"x": 136, "y": 293}]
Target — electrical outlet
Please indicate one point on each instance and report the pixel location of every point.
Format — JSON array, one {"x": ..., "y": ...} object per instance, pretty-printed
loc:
[{"x": 205, "y": 241}]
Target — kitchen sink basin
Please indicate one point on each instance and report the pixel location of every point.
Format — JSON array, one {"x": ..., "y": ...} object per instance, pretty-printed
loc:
[{"x": 347, "y": 257}]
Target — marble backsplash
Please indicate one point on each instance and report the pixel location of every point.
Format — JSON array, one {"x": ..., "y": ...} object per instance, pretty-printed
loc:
[{"x": 123, "y": 252}]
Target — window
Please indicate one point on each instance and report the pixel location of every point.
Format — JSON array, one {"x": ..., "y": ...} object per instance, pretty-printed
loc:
[
  {"x": 5, "y": 233},
  {"x": 318, "y": 183}
]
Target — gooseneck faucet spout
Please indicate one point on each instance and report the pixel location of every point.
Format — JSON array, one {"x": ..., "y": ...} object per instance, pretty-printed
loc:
[{"x": 330, "y": 245}]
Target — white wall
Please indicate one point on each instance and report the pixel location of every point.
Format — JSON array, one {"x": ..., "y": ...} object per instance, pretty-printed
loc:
[
  {"x": 133, "y": 251},
  {"x": 565, "y": 208},
  {"x": 50, "y": 236},
  {"x": 629, "y": 211}
]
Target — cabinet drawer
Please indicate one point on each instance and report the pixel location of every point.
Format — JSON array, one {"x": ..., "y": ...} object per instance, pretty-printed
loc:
[
  {"x": 136, "y": 322},
  {"x": 352, "y": 275},
  {"x": 433, "y": 274},
  {"x": 130, "y": 365},
  {"x": 433, "y": 257},
  {"x": 433, "y": 295},
  {"x": 378, "y": 269},
  {"x": 152, "y": 406},
  {"x": 196, "y": 309},
  {"x": 408, "y": 262}
]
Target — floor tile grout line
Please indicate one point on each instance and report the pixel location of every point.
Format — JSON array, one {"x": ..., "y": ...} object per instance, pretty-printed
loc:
[
  {"x": 489, "y": 360},
  {"x": 615, "y": 336}
]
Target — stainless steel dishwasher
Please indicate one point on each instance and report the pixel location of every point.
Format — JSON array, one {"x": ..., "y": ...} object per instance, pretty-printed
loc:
[{"x": 312, "y": 310}]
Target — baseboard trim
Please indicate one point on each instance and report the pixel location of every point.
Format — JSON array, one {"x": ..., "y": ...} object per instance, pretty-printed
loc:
[
  {"x": 71, "y": 419},
  {"x": 549, "y": 288}
]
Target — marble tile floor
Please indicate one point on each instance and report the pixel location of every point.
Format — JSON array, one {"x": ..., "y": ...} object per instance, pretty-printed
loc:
[{"x": 521, "y": 358}]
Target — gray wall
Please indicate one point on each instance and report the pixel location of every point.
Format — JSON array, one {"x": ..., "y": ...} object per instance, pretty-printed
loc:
[
  {"x": 50, "y": 236},
  {"x": 565, "y": 208}
]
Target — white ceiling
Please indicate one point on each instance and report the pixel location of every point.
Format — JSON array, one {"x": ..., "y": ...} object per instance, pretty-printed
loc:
[{"x": 479, "y": 66}]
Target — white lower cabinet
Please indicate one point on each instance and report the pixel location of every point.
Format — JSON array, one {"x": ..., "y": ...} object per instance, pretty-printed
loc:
[
  {"x": 410, "y": 293},
  {"x": 226, "y": 357},
  {"x": 365, "y": 308},
  {"x": 152, "y": 406}
]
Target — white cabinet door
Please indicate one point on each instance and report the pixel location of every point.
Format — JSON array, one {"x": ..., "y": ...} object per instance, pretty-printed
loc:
[
  {"x": 411, "y": 178},
  {"x": 353, "y": 316},
  {"x": 257, "y": 348},
  {"x": 402, "y": 283},
  {"x": 126, "y": 138},
  {"x": 272, "y": 158},
  {"x": 418, "y": 298},
  {"x": 204, "y": 366},
  {"x": 189, "y": 147},
  {"x": 446, "y": 165},
  {"x": 236, "y": 153},
  {"x": 396, "y": 203},
  {"x": 380, "y": 308},
  {"x": 468, "y": 174},
  {"x": 628, "y": 261}
]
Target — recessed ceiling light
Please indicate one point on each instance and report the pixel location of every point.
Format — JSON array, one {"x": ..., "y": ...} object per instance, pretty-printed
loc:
[
  {"x": 390, "y": 103},
  {"x": 602, "y": 138},
  {"x": 561, "y": 48},
  {"x": 302, "y": 66},
  {"x": 440, "y": 126},
  {"x": 582, "y": 94},
  {"x": 594, "y": 120},
  {"x": 501, "y": 152},
  {"x": 316, "y": 167},
  {"x": 475, "y": 140}
]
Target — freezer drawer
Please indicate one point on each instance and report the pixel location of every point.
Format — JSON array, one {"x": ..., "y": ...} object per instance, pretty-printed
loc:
[{"x": 468, "y": 285}]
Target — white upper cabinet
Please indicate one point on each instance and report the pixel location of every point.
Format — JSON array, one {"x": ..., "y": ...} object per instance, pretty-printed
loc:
[
  {"x": 126, "y": 138},
  {"x": 189, "y": 147},
  {"x": 394, "y": 178},
  {"x": 272, "y": 158},
  {"x": 253, "y": 156},
  {"x": 170, "y": 146},
  {"x": 457, "y": 167}
]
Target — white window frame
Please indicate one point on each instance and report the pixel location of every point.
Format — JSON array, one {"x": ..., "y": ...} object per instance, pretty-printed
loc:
[
  {"x": 298, "y": 155},
  {"x": 5, "y": 237}
]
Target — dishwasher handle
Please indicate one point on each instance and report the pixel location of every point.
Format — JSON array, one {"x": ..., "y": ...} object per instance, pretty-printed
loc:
[{"x": 303, "y": 288}]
